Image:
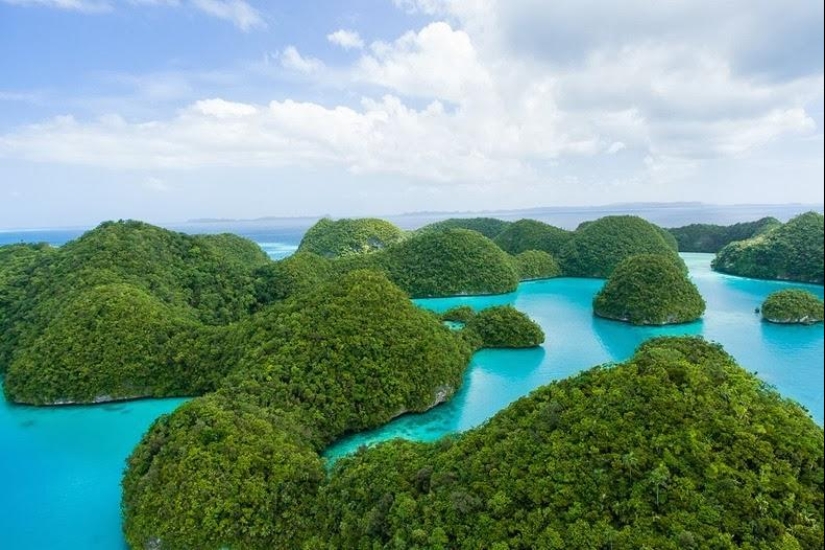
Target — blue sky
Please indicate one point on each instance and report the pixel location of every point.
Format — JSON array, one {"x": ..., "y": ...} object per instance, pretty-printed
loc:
[{"x": 166, "y": 110}]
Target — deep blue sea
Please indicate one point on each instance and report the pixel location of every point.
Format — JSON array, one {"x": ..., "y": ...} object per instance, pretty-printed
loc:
[{"x": 62, "y": 466}]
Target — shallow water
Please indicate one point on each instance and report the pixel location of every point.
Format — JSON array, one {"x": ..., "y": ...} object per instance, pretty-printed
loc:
[
  {"x": 62, "y": 466},
  {"x": 788, "y": 357}
]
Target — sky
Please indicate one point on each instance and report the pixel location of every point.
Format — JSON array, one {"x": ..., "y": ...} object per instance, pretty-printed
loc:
[{"x": 167, "y": 110}]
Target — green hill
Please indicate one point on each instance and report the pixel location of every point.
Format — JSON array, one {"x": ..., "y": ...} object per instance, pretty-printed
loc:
[
  {"x": 240, "y": 468},
  {"x": 597, "y": 247},
  {"x": 345, "y": 237},
  {"x": 489, "y": 227},
  {"x": 791, "y": 252},
  {"x": 107, "y": 316},
  {"x": 676, "y": 448},
  {"x": 649, "y": 289},
  {"x": 792, "y": 306},
  {"x": 526, "y": 235},
  {"x": 447, "y": 263},
  {"x": 504, "y": 327},
  {"x": 536, "y": 264},
  {"x": 703, "y": 237}
]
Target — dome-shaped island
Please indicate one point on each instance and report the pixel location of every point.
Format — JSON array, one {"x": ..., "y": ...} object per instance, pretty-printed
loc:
[
  {"x": 792, "y": 306},
  {"x": 649, "y": 289}
]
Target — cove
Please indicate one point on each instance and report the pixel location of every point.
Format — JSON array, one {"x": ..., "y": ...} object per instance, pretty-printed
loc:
[{"x": 789, "y": 357}]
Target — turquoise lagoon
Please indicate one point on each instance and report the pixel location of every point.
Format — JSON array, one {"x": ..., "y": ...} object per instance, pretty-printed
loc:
[
  {"x": 787, "y": 357},
  {"x": 62, "y": 466}
]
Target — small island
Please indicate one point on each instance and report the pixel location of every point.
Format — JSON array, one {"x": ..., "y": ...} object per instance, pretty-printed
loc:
[
  {"x": 792, "y": 306},
  {"x": 649, "y": 289}
]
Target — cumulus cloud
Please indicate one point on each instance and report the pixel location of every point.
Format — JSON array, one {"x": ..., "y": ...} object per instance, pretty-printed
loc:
[
  {"x": 292, "y": 59},
  {"x": 346, "y": 39},
  {"x": 436, "y": 62},
  {"x": 467, "y": 100}
]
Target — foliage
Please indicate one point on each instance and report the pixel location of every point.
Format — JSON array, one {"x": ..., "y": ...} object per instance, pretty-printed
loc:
[
  {"x": 221, "y": 473},
  {"x": 290, "y": 276},
  {"x": 17, "y": 262},
  {"x": 677, "y": 448},
  {"x": 489, "y": 227},
  {"x": 793, "y": 252},
  {"x": 792, "y": 305},
  {"x": 447, "y": 263},
  {"x": 669, "y": 238},
  {"x": 703, "y": 237},
  {"x": 354, "y": 352},
  {"x": 459, "y": 314},
  {"x": 536, "y": 264},
  {"x": 505, "y": 327},
  {"x": 239, "y": 468},
  {"x": 526, "y": 235},
  {"x": 597, "y": 247},
  {"x": 106, "y": 315},
  {"x": 649, "y": 289},
  {"x": 344, "y": 237}
]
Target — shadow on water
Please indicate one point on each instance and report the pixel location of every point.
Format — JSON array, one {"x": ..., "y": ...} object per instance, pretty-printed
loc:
[
  {"x": 493, "y": 380},
  {"x": 620, "y": 339}
]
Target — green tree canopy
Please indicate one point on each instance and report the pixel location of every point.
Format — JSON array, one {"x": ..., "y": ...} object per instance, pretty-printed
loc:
[
  {"x": 489, "y": 227},
  {"x": 536, "y": 264},
  {"x": 703, "y": 237},
  {"x": 447, "y": 263},
  {"x": 676, "y": 448},
  {"x": 792, "y": 305},
  {"x": 505, "y": 327},
  {"x": 526, "y": 235},
  {"x": 345, "y": 237},
  {"x": 597, "y": 247},
  {"x": 793, "y": 252},
  {"x": 649, "y": 289}
]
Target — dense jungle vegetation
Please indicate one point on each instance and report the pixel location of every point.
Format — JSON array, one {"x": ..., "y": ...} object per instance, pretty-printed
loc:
[
  {"x": 649, "y": 289},
  {"x": 677, "y": 448},
  {"x": 489, "y": 227},
  {"x": 597, "y": 247},
  {"x": 343, "y": 237},
  {"x": 704, "y": 237},
  {"x": 792, "y": 305},
  {"x": 526, "y": 235},
  {"x": 792, "y": 252}
]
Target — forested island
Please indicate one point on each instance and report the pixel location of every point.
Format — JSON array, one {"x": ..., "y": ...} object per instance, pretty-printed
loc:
[
  {"x": 285, "y": 357},
  {"x": 793, "y": 306},
  {"x": 707, "y": 237},
  {"x": 657, "y": 452},
  {"x": 649, "y": 289},
  {"x": 790, "y": 252}
]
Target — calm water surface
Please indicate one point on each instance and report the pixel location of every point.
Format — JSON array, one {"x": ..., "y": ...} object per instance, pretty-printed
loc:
[{"x": 62, "y": 466}]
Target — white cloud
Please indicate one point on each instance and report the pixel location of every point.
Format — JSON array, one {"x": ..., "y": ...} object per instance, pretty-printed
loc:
[
  {"x": 89, "y": 6},
  {"x": 292, "y": 59},
  {"x": 240, "y": 13},
  {"x": 458, "y": 102},
  {"x": 436, "y": 62},
  {"x": 220, "y": 108},
  {"x": 346, "y": 39}
]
